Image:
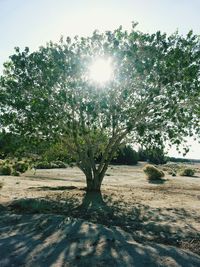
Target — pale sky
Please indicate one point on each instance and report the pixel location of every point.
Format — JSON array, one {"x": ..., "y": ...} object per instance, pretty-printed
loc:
[{"x": 34, "y": 22}]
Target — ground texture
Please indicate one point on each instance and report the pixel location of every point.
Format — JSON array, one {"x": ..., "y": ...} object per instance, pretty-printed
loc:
[{"x": 47, "y": 219}]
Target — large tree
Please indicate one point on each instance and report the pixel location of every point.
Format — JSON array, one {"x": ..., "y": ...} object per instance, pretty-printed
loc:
[{"x": 153, "y": 96}]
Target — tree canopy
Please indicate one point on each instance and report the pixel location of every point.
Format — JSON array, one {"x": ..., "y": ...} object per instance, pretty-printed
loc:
[{"x": 153, "y": 97}]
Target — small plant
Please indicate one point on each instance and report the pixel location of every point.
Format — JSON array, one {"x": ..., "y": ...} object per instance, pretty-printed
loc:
[
  {"x": 20, "y": 166},
  {"x": 5, "y": 170},
  {"x": 43, "y": 165},
  {"x": 50, "y": 165},
  {"x": 187, "y": 172},
  {"x": 126, "y": 155},
  {"x": 15, "y": 173},
  {"x": 53, "y": 165},
  {"x": 152, "y": 172},
  {"x": 60, "y": 164}
]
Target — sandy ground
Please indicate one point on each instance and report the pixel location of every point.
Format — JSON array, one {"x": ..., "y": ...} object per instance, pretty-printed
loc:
[{"x": 48, "y": 220}]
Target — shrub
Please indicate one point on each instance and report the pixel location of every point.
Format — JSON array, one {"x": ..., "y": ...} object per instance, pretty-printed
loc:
[
  {"x": 154, "y": 155},
  {"x": 71, "y": 164},
  {"x": 50, "y": 165},
  {"x": 56, "y": 152},
  {"x": 152, "y": 172},
  {"x": 53, "y": 165},
  {"x": 5, "y": 170},
  {"x": 43, "y": 165},
  {"x": 15, "y": 173},
  {"x": 126, "y": 155},
  {"x": 20, "y": 166},
  {"x": 187, "y": 172},
  {"x": 60, "y": 164}
]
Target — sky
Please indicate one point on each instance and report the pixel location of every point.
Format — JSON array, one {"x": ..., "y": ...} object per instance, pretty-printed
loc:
[{"x": 34, "y": 22}]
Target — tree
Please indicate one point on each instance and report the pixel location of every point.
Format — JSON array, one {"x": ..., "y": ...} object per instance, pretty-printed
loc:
[
  {"x": 154, "y": 155},
  {"x": 153, "y": 96},
  {"x": 125, "y": 155}
]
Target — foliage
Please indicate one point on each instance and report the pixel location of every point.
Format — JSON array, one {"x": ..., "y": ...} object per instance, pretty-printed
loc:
[
  {"x": 126, "y": 155},
  {"x": 153, "y": 98},
  {"x": 43, "y": 165},
  {"x": 187, "y": 172},
  {"x": 14, "y": 167},
  {"x": 5, "y": 170},
  {"x": 173, "y": 159},
  {"x": 15, "y": 173},
  {"x": 152, "y": 172},
  {"x": 57, "y": 152},
  {"x": 60, "y": 164},
  {"x": 50, "y": 165},
  {"x": 8, "y": 144},
  {"x": 20, "y": 166},
  {"x": 154, "y": 155}
]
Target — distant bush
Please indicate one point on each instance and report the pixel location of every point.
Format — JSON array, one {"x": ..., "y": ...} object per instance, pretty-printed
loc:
[
  {"x": 126, "y": 155},
  {"x": 20, "y": 166},
  {"x": 15, "y": 173},
  {"x": 173, "y": 159},
  {"x": 187, "y": 172},
  {"x": 152, "y": 172},
  {"x": 43, "y": 165},
  {"x": 172, "y": 167},
  {"x": 154, "y": 155},
  {"x": 56, "y": 152},
  {"x": 60, "y": 164},
  {"x": 50, "y": 165},
  {"x": 5, "y": 170}
]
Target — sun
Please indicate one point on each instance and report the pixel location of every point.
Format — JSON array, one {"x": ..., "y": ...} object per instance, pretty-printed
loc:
[{"x": 101, "y": 70}]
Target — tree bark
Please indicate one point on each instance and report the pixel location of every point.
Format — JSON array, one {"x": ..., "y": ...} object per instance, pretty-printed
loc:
[
  {"x": 93, "y": 183},
  {"x": 94, "y": 175}
]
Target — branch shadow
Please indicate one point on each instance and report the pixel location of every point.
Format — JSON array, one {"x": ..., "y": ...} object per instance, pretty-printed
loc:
[
  {"x": 47, "y": 240},
  {"x": 96, "y": 231}
]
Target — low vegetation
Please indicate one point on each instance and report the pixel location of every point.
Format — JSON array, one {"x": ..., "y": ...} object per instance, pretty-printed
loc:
[
  {"x": 153, "y": 173},
  {"x": 126, "y": 155},
  {"x": 5, "y": 170},
  {"x": 20, "y": 166},
  {"x": 187, "y": 172},
  {"x": 13, "y": 167},
  {"x": 50, "y": 165}
]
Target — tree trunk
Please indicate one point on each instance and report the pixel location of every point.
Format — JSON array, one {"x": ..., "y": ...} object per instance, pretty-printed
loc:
[{"x": 93, "y": 184}]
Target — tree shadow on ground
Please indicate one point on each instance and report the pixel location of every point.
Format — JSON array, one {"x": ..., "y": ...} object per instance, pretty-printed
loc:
[
  {"x": 53, "y": 188},
  {"x": 2, "y": 208},
  {"x": 52, "y": 240},
  {"x": 144, "y": 223},
  {"x": 157, "y": 181}
]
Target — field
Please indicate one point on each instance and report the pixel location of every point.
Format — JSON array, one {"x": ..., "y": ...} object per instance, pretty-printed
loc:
[{"x": 47, "y": 219}]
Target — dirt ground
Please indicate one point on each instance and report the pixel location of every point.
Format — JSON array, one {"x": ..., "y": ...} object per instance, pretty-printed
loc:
[{"x": 47, "y": 219}]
